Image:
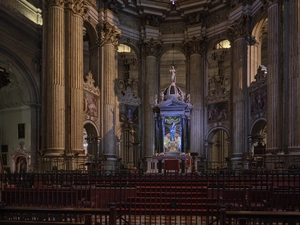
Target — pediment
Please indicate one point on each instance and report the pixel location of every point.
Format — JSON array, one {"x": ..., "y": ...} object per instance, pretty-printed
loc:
[{"x": 173, "y": 104}]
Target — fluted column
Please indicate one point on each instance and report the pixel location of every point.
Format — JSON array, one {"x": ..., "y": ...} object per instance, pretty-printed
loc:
[
  {"x": 292, "y": 29},
  {"x": 53, "y": 133},
  {"x": 239, "y": 117},
  {"x": 151, "y": 49},
  {"x": 108, "y": 39},
  {"x": 74, "y": 75},
  {"x": 274, "y": 106},
  {"x": 196, "y": 52}
]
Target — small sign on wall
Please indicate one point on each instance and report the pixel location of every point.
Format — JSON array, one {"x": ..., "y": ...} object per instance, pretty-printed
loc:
[{"x": 21, "y": 130}]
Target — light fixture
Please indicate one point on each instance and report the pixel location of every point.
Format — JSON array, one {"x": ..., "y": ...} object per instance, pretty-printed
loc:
[{"x": 173, "y": 2}]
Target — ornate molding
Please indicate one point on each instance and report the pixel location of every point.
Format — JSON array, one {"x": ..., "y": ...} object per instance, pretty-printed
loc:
[{"x": 108, "y": 33}]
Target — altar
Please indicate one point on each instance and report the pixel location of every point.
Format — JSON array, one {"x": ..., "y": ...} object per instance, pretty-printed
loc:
[{"x": 172, "y": 129}]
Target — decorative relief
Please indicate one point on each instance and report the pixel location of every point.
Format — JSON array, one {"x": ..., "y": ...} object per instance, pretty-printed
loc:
[
  {"x": 258, "y": 93},
  {"x": 91, "y": 98},
  {"x": 177, "y": 27},
  {"x": 152, "y": 20},
  {"x": 108, "y": 33},
  {"x": 152, "y": 47},
  {"x": 128, "y": 92},
  {"x": 89, "y": 84}
]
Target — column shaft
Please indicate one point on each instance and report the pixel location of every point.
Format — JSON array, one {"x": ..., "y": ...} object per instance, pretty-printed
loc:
[
  {"x": 273, "y": 82},
  {"x": 239, "y": 97},
  {"x": 55, "y": 82},
  {"x": 74, "y": 82}
]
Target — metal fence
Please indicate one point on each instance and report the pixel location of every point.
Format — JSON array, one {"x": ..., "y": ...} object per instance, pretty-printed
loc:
[{"x": 168, "y": 198}]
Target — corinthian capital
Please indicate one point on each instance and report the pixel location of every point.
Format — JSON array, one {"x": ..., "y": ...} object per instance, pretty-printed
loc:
[
  {"x": 77, "y": 6},
  {"x": 195, "y": 46},
  {"x": 108, "y": 33},
  {"x": 152, "y": 47},
  {"x": 49, "y": 3},
  {"x": 240, "y": 28}
]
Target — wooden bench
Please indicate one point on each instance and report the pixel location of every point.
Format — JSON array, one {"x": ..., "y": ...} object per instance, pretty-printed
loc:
[
  {"x": 232, "y": 217},
  {"x": 38, "y": 215}
]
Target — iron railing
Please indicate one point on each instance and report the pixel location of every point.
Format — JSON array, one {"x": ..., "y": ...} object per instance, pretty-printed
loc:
[{"x": 171, "y": 198}]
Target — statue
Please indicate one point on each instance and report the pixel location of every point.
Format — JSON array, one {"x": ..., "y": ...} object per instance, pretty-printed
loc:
[
  {"x": 162, "y": 96},
  {"x": 173, "y": 74},
  {"x": 188, "y": 98}
]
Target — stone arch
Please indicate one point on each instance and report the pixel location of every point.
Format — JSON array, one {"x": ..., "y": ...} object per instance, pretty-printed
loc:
[
  {"x": 217, "y": 148},
  {"x": 129, "y": 145}
]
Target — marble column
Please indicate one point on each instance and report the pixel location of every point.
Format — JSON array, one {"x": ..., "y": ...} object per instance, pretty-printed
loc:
[
  {"x": 74, "y": 76},
  {"x": 108, "y": 40},
  {"x": 274, "y": 106},
  {"x": 53, "y": 114},
  {"x": 292, "y": 29},
  {"x": 151, "y": 49},
  {"x": 195, "y": 49},
  {"x": 238, "y": 33}
]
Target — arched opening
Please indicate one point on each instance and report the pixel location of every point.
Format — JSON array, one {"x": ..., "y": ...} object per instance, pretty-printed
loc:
[
  {"x": 217, "y": 150},
  {"x": 258, "y": 142}
]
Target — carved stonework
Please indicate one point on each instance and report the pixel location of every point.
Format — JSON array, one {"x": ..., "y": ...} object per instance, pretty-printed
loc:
[
  {"x": 89, "y": 84},
  {"x": 152, "y": 48},
  {"x": 258, "y": 93},
  {"x": 240, "y": 28},
  {"x": 128, "y": 92},
  {"x": 77, "y": 6},
  {"x": 91, "y": 99},
  {"x": 108, "y": 33}
]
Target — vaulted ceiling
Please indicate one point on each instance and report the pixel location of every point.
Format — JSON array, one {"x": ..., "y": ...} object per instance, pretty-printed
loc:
[{"x": 173, "y": 8}]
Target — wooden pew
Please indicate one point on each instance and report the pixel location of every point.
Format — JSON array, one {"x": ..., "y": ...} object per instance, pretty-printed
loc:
[
  {"x": 62, "y": 216},
  {"x": 232, "y": 217}
]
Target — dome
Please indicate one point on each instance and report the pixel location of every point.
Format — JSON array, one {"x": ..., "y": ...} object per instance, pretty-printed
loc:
[{"x": 173, "y": 91}]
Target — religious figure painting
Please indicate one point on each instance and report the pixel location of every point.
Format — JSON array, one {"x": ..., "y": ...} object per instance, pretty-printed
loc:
[
  {"x": 172, "y": 137},
  {"x": 128, "y": 113},
  {"x": 217, "y": 112},
  {"x": 90, "y": 104}
]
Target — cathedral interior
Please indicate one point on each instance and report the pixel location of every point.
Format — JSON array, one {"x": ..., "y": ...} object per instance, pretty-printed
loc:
[{"x": 108, "y": 84}]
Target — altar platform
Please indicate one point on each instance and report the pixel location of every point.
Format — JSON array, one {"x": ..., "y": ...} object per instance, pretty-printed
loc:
[{"x": 169, "y": 163}]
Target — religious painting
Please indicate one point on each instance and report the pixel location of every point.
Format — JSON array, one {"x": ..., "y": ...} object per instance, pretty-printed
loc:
[
  {"x": 217, "y": 112},
  {"x": 172, "y": 137},
  {"x": 128, "y": 113},
  {"x": 90, "y": 104},
  {"x": 21, "y": 130},
  {"x": 258, "y": 101}
]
